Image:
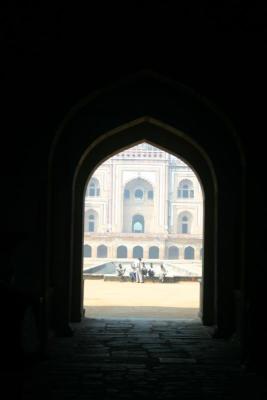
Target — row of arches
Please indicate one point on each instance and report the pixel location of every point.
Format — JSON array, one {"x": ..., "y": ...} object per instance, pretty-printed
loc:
[
  {"x": 185, "y": 190},
  {"x": 138, "y": 251},
  {"x": 189, "y": 253},
  {"x": 138, "y": 223}
]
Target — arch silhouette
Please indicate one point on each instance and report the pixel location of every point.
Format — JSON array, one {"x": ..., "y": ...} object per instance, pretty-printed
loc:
[{"x": 159, "y": 111}]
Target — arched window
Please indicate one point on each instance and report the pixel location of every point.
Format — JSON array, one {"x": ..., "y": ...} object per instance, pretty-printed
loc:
[
  {"x": 126, "y": 194},
  {"x": 139, "y": 189},
  {"x": 189, "y": 253},
  {"x": 102, "y": 251},
  {"x": 138, "y": 194},
  {"x": 153, "y": 252},
  {"x": 201, "y": 253},
  {"x": 138, "y": 224},
  {"x": 150, "y": 194},
  {"x": 122, "y": 252},
  {"x": 91, "y": 223},
  {"x": 173, "y": 253},
  {"x": 93, "y": 188},
  {"x": 138, "y": 252},
  {"x": 184, "y": 223},
  {"x": 185, "y": 189},
  {"x": 87, "y": 251}
]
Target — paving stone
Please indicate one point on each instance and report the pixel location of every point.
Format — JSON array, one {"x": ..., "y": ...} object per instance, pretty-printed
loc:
[
  {"x": 137, "y": 359},
  {"x": 177, "y": 360}
]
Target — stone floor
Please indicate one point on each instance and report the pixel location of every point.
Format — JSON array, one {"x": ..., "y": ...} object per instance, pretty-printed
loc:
[{"x": 139, "y": 359}]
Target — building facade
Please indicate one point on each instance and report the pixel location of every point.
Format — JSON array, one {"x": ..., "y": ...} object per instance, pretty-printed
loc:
[{"x": 143, "y": 202}]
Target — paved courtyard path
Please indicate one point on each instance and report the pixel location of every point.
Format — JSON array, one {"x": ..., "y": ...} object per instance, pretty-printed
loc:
[{"x": 148, "y": 300}]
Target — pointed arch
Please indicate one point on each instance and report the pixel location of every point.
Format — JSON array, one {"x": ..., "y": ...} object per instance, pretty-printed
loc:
[
  {"x": 153, "y": 252},
  {"x": 185, "y": 189},
  {"x": 138, "y": 252},
  {"x": 173, "y": 253},
  {"x": 189, "y": 253},
  {"x": 87, "y": 251},
  {"x": 166, "y": 122},
  {"x": 102, "y": 251},
  {"x": 122, "y": 252},
  {"x": 93, "y": 188},
  {"x": 91, "y": 221},
  {"x": 138, "y": 223},
  {"x": 184, "y": 222}
]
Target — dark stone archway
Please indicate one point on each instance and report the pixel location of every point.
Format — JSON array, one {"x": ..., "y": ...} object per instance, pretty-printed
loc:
[{"x": 153, "y": 109}]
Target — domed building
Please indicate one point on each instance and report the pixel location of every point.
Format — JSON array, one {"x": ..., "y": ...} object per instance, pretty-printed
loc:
[{"x": 143, "y": 202}]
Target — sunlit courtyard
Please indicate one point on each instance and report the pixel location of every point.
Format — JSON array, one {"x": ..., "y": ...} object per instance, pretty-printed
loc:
[{"x": 136, "y": 300}]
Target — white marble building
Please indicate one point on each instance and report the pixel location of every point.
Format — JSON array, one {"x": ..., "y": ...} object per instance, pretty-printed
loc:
[{"x": 143, "y": 202}]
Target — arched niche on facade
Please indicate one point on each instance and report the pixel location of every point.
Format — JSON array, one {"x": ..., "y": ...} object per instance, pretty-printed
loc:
[
  {"x": 102, "y": 251},
  {"x": 93, "y": 188},
  {"x": 153, "y": 252},
  {"x": 147, "y": 107},
  {"x": 90, "y": 221},
  {"x": 87, "y": 251},
  {"x": 136, "y": 194},
  {"x": 138, "y": 252},
  {"x": 184, "y": 222},
  {"x": 189, "y": 253},
  {"x": 122, "y": 252},
  {"x": 173, "y": 253}
]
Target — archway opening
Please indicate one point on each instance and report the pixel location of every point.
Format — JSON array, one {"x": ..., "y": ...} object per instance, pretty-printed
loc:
[
  {"x": 152, "y": 108},
  {"x": 148, "y": 205}
]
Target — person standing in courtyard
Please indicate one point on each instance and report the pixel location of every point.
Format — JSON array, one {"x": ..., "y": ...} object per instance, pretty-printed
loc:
[
  {"x": 151, "y": 272},
  {"x": 132, "y": 273},
  {"x": 162, "y": 273},
  {"x": 139, "y": 272},
  {"x": 144, "y": 270}
]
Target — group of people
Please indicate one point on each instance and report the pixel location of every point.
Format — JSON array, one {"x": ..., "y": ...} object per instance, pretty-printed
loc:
[{"x": 139, "y": 271}]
